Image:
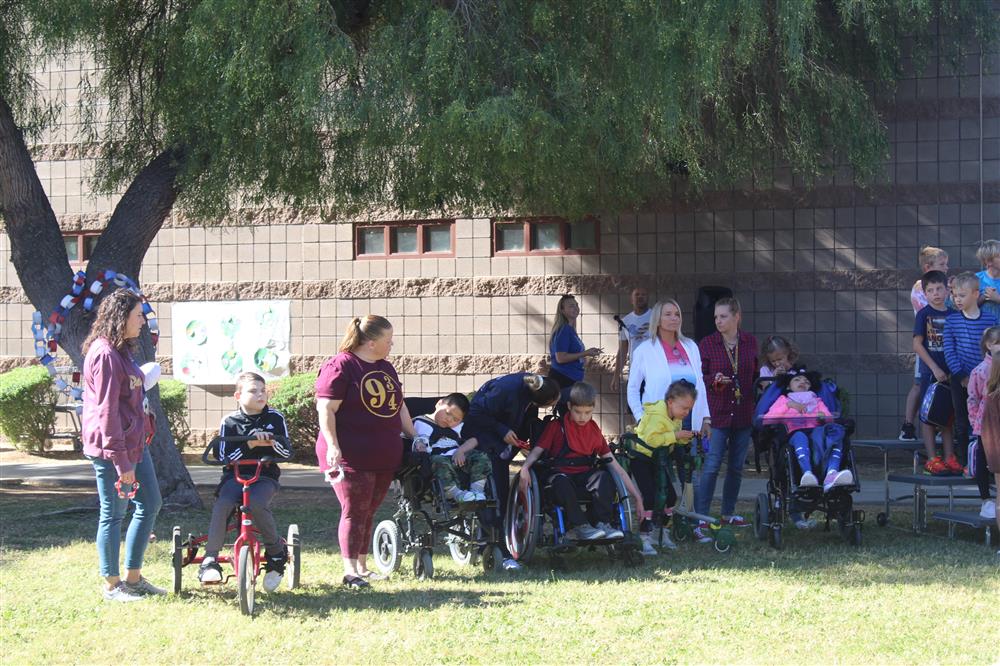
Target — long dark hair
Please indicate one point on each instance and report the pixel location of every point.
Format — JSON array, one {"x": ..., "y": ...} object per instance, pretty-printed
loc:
[
  {"x": 112, "y": 317},
  {"x": 798, "y": 371}
]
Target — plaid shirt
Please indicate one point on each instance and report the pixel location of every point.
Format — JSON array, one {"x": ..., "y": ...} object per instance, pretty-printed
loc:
[{"x": 722, "y": 401}]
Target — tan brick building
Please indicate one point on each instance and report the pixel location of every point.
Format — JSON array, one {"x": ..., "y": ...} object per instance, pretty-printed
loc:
[{"x": 829, "y": 266}]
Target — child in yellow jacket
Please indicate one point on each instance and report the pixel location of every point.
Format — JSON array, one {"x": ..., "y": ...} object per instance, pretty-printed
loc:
[{"x": 662, "y": 425}]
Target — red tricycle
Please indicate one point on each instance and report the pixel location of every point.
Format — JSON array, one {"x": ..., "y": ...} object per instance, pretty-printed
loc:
[{"x": 248, "y": 551}]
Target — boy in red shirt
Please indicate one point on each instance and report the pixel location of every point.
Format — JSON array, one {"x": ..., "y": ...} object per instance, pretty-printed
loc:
[{"x": 573, "y": 445}]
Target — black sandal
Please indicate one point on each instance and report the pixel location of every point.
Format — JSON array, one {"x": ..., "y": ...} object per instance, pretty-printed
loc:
[{"x": 355, "y": 582}]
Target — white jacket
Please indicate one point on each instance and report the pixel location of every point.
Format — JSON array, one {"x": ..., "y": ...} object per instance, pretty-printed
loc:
[{"x": 649, "y": 364}]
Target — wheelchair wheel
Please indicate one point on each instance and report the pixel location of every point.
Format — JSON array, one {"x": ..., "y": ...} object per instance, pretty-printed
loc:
[
  {"x": 882, "y": 519},
  {"x": 386, "y": 547},
  {"x": 492, "y": 559},
  {"x": 178, "y": 558},
  {"x": 761, "y": 516},
  {"x": 294, "y": 567},
  {"x": 423, "y": 564},
  {"x": 625, "y": 510},
  {"x": 466, "y": 551},
  {"x": 523, "y": 521},
  {"x": 246, "y": 580}
]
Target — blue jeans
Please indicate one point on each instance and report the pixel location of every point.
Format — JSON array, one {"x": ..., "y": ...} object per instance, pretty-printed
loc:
[
  {"x": 737, "y": 441},
  {"x": 109, "y": 526}
]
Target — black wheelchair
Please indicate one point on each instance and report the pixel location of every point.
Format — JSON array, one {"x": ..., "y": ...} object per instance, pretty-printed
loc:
[{"x": 425, "y": 513}]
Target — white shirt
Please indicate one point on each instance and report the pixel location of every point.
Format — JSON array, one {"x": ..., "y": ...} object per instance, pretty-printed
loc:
[
  {"x": 425, "y": 429},
  {"x": 636, "y": 330}
]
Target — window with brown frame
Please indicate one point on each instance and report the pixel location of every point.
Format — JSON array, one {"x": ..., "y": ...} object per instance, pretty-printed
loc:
[
  {"x": 548, "y": 236},
  {"x": 405, "y": 239},
  {"x": 80, "y": 245}
]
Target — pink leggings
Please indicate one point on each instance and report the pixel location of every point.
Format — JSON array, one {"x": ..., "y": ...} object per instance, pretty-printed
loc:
[{"x": 360, "y": 494}]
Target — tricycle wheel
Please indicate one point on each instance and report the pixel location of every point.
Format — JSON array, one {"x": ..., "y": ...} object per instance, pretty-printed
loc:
[
  {"x": 294, "y": 566},
  {"x": 681, "y": 528},
  {"x": 724, "y": 539},
  {"x": 178, "y": 558},
  {"x": 246, "y": 579},
  {"x": 423, "y": 564},
  {"x": 386, "y": 547}
]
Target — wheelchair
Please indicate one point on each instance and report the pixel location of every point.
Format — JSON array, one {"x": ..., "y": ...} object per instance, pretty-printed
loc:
[
  {"x": 424, "y": 513},
  {"x": 533, "y": 523},
  {"x": 677, "y": 464},
  {"x": 248, "y": 551},
  {"x": 785, "y": 496}
]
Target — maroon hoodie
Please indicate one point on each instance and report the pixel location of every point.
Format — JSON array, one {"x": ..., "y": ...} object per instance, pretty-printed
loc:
[{"x": 114, "y": 423}]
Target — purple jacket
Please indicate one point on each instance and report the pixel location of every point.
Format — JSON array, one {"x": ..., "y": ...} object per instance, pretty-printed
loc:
[{"x": 114, "y": 423}]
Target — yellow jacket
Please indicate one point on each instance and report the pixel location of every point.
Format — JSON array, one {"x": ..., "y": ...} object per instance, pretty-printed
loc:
[{"x": 656, "y": 428}]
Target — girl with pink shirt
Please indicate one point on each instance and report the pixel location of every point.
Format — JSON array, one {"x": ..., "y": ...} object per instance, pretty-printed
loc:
[
  {"x": 978, "y": 392},
  {"x": 801, "y": 410}
]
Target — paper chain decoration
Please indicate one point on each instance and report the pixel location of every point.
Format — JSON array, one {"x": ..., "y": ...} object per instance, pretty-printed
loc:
[{"x": 46, "y": 333}]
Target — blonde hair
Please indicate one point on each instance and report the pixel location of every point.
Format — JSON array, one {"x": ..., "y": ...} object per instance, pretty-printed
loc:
[
  {"x": 929, "y": 254},
  {"x": 988, "y": 250},
  {"x": 560, "y": 320},
  {"x": 991, "y": 336},
  {"x": 362, "y": 330},
  {"x": 969, "y": 280},
  {"x": 654, "y": 320},
  {"x": 731, "y": 303},
  {"x": 993, "y": 383}
]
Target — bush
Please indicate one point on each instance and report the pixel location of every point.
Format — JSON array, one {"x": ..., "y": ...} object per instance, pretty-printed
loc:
[
  {"x": 27, "y": 407},
  {"x": 173, "y": 399},
  {"x": 295, "y": 397}
]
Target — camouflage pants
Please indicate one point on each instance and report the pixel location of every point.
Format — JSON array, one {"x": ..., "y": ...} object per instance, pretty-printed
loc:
[{"x": 477, "y": 466}]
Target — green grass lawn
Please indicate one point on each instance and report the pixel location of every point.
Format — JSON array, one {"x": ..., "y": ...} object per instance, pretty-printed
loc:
[{"x": 901, "y": 599}]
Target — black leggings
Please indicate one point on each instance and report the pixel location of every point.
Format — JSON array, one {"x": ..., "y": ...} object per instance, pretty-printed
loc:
[{"x": 644, "y": 472}]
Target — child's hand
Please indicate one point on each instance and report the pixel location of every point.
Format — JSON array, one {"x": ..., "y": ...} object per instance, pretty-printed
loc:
[
  {"x": 420, "y": 444},
  {"x": 940, "y": 375},
  {"x": 797, "y": 406},
  {"x": 991, "y": 294},
  {"x": 965, "y": 382},
  {"x": 459, "y": 458},
  {"x": 684, "y": 435},
  {"x": 525, "y": 478},
  {"x": 260, "y": 439}
]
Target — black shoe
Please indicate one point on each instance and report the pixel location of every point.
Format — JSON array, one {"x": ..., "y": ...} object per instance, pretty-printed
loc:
[
  {"x": 907, "y": 433},
  {"x": 355, "y": 582},
  {"x": 276, "y": 562},
  {"x": 210, "y": 572}
]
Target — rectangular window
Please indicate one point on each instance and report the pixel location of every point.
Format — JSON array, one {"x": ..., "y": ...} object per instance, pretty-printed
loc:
[
  {"x": 548, "y": 236},
  {"x": 80, "y": 246},
  {"x": 405, "y": 239}
]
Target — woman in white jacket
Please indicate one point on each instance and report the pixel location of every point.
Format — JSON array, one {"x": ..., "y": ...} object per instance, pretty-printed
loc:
[{"x": 667, "y": 357}]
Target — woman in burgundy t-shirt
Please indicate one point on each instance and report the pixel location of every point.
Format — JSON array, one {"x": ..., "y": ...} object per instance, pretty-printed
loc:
[{"x": 361, "y": 414}]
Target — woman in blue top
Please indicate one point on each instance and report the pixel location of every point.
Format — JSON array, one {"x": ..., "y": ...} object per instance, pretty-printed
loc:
[{"x": 565, "y": 347}]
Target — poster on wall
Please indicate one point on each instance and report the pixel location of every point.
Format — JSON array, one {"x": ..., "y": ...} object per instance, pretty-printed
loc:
[{"x": 215, "y": 341}]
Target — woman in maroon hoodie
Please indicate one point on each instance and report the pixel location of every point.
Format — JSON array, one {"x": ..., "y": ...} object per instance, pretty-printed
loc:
[{"x": 115, "y": 426}]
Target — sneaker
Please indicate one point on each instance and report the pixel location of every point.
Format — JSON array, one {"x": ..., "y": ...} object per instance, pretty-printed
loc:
[
  {"x": 666, "y": 541},
  {"x": 480, "y": 497},
  {"x": 511, "y": 564},
  {"x": 209, "y": 571},
  {"x": 143, "y": 588},
  {"x": 936, "y": 466},
  {"x": 647, "y": 543},
  {"x": 274, "y": 569},
  {"x": 953, "y": 465},
  {"x": 805, "y": 523},
  {"x": 478, "y": 488},
  {"x": 735, "y": 521},
  {"x": 610, "y": 532},
  {"x": 907, "y": 433},
  {"x": 809, "y": 480},
  {"x": 120, "y": 593},
  {"x": 584, "y": 533},
  {"x": 703, "y": 533},
  {"x": 834, "y": 479},
  {"x": 989, "y": 510}
]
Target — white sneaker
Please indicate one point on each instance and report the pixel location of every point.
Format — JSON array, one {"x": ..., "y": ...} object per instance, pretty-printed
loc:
[
  {"x": 272, "y": 579},
  {"x": 610, "y": 532},
  {"x": 647, "y": 543},
  {"x": 120, "y": 593},
  {"x": 480, "y": 497},
  {"x": 805, "y": 523},
  {"x": 989, "y": 510},
  {"x": 841, "y": 478},
  {"x": 584, "y": 532},
  {"x": 809, "y": 480},
  {"x": 511, "y": 564},
  {"x": 666, "y": 541}
]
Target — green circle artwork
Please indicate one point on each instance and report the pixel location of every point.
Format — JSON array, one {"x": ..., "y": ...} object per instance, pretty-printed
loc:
[
  {"x": 196, "y": 332},
  {"x": 232, "y": 361},
  {"x": 265, "y": 359},
  {"x": 230, "y": 326}
]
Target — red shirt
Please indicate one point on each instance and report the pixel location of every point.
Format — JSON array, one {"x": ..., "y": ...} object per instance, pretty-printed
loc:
[
  {"x": 726, "y": 413},
  {"x": 368, "y": 421},
  {"x": 585, "y": 441}
]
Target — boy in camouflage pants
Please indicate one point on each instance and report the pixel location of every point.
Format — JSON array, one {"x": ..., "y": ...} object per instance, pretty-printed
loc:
[{"x": 440, "y": 434}]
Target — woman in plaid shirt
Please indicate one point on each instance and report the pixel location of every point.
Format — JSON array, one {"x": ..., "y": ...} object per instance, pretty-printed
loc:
[{"x": 729, "y": 365}]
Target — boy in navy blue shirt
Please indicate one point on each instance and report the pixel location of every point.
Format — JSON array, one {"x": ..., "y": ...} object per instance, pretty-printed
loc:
[
  {"x": 928, "y": 343},
  {"x": 963, "y": 332}
]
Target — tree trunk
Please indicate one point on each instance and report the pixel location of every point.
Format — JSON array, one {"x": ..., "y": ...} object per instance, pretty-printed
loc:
[{"x": 39, "y": 256}]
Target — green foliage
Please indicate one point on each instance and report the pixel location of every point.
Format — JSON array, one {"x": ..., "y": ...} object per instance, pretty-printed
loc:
[
  {"x": 534, "y": 107},
  {"x": 295, "y": 398},
  {"x": 27, "y": 407},
  {"x": 173, "y": 399}
]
